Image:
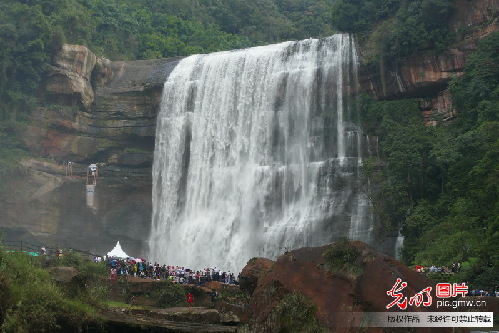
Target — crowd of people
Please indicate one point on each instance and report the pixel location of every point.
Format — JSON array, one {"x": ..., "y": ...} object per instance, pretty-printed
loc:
[
  {"x": 141, "y": 268},
  {"x": 481, "y": 292},
  {"x": 455, "y": 267},
  {"x": 177, "y": 274}
]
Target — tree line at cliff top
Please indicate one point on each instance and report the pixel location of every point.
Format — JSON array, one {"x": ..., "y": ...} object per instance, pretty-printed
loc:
[{"x": 32, "y": 30}]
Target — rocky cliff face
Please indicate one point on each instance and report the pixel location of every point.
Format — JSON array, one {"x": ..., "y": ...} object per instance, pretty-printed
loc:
[
  {"x": 98, "y": 111},
  {"x": 69, "y": 78},
  {"x": 426, "y": 74}
]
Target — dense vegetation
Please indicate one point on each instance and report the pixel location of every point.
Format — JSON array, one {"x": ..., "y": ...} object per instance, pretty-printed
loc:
[
  {"x": 32, "y": 30},
  {"x": 31, "y": 302},
  {"x": 396, "y": 28},
  {"x": 441, "y": 183}
]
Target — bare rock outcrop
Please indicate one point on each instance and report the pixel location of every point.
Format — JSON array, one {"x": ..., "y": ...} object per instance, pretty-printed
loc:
[
  {"x": 254, "y": 270},
  {"x": 426, "y": 73},
  {"x": 417, "y": 75},
  {"x": 68, "y": 80},
  {"x": 334, "y": 295},
  {"x": 95, "y": 111}
]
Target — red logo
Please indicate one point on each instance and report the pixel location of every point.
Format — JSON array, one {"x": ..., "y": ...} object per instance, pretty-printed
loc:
[
  {"x": 446, "y": 290},
  {"x": 442, "y": 290},
  {"x": 394, "y": 292},
  {"x": 418, "y": 299}
]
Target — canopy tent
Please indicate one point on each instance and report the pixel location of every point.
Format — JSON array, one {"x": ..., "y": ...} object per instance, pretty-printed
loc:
[{"x": 117, "y": 252}]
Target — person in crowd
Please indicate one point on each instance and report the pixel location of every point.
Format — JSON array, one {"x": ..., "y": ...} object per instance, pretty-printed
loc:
[
  {"x": 214, "y": 296},
  {"x": 190, "y": 299},
  {"x": 113, "y": 274}
]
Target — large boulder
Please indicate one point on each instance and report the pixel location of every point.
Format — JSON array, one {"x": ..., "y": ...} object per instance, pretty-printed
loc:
[
  {"x": 254, "y": 270},
  {"x": 68, "y": 80},
  {"x": 334, "y": 294}
]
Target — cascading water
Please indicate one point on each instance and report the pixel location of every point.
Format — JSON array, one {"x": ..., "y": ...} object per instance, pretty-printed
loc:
[{"x": 258, "y": 151}]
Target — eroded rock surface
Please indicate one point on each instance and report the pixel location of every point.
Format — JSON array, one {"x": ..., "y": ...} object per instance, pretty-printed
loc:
[
  {"x": 425, "y": 74},
  {"x": 334, "y": 295},
  {"x": 68, "y": 80},
  {"x": 254, "y": 270},
  {"x": 96, "y": 111}
]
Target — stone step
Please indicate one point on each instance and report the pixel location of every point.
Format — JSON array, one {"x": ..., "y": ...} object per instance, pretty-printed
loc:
[{"x": 160, "y": 320}]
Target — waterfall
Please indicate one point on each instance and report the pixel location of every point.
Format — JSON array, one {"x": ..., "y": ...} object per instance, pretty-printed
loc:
[
  {"x": 258, "y": 151},
  {"x": 399, "y": 242}
]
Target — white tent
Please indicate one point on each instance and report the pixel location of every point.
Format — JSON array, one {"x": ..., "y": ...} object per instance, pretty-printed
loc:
[{"x": 117, "y": 252}]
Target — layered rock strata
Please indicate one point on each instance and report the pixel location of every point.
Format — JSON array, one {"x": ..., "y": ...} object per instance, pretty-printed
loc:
[
  {"x": 95, "y": 111},
  {"x": 426, "y": 74}
]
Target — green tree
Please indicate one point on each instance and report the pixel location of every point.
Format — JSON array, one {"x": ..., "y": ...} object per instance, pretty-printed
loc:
[
  {"x": 33, "y": 303},
  {"x": 446, "y": 178}
]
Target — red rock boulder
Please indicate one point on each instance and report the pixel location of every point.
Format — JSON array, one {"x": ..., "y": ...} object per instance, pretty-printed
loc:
[
  {"x": 254, "y": 270},
  {"x": 332, "y": 284}
]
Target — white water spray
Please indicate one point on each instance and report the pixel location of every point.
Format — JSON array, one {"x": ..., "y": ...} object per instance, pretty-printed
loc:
[{"x": 258, "y": 150}]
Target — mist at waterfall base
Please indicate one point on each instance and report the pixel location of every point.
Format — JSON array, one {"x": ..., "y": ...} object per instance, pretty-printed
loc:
[{"x": 258, "y": 151}]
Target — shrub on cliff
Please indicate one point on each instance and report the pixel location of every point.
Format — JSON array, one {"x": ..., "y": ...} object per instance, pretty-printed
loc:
[
  {"x": 169, "y": 294},
  {"x": 343, "y": 259},
  {"x": 295, "y": 314},
  {"x": 32, "y": 302},
  {"x": 87, "y": 269}
]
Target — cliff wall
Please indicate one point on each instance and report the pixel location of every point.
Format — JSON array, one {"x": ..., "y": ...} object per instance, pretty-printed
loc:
[
  {"x": 426, "y": 74},
  {"x": 98, "y": 111}
]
